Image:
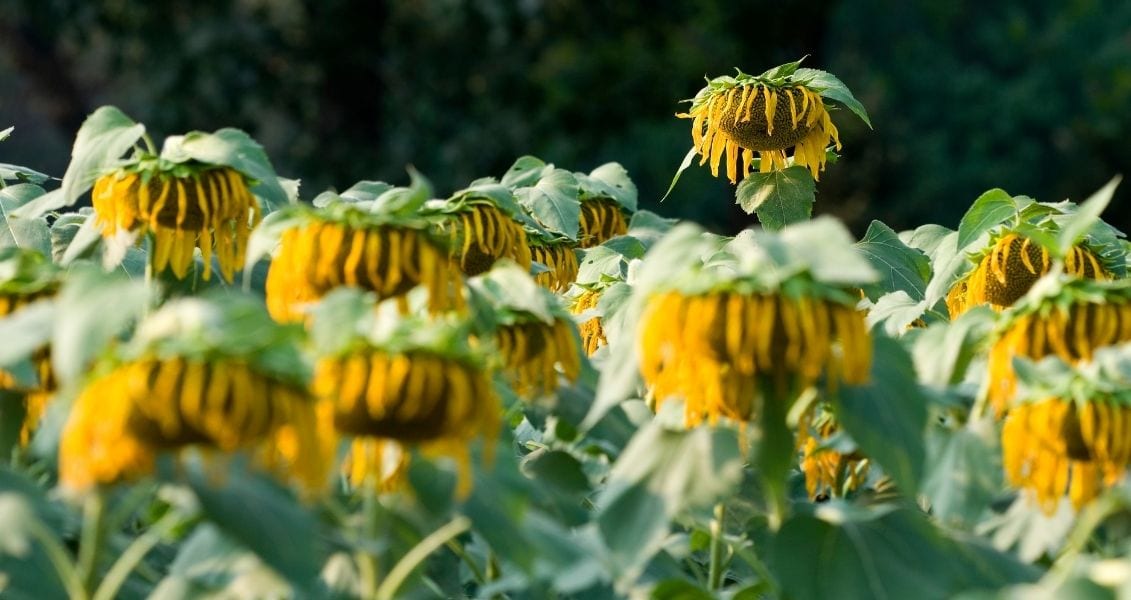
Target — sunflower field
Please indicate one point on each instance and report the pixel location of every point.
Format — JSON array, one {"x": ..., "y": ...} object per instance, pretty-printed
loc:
[{"x": 214, "y": 384}]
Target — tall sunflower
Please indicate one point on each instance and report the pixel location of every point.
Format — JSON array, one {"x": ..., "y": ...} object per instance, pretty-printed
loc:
[
  {"x": 342, "y": 245},
  {"x": 601, "y": 220},
  {"x": 402, "y": 382},
  {"x": 481, "y": 233},
  {"x": 190, "y": 206},
  {"x": 747, "y": 117},
  {"x": 560, "y": 260},
  {"x": 1071, "y": 321},
  {"x": 1009, "y": 267},
  {"x": 193, "y": 377}
]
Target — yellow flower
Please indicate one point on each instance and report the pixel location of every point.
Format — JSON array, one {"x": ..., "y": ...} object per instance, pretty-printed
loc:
[
  {"x": 485, "y": 234},
  {"x": 532, "y": 351},
  {"x": 211, "y": 209},
  {"x": 827, "y": 472},
  {"x": 561, "y": 261},
  {"x": 374, "y": 461},
  {"x": 125, "y": 416},
  {"x": 1071, "y": 332},
  {"x": 35, "y": 398},
  {"x": 414, "y": 397},
  {"x": 741, "y": 119},
  {"x": 1007, "y": 271},
  {"x": 721, "y": 351},
  {"x": 388, "y": 260},
  {"x": 601, "y": 220},
  {"x": 1054, "y": 447},
  {"x": 592, "y": 333}
]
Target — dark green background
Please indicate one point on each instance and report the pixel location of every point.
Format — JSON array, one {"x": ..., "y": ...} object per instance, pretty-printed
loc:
[{"x": 1031, "y": 96}]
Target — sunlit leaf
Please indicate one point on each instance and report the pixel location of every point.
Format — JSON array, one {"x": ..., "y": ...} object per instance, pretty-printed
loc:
[
  {"x": 104, "y": 137},
  {"x": 778, "y": 197}
]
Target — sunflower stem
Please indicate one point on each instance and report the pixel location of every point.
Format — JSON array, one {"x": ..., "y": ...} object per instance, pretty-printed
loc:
[
  {"x": 60, "y": 560},
  {"x": 133, "y": 555},
  {"x": 715, "y": 568},
  {"x": 367, "y": 564},
  {"x": 472, "y": 566},
  {"x": 90, "y": 544},
  {"x": 418, "y": 554}
]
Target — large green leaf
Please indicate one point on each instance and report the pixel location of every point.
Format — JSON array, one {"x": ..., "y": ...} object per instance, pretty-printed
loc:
[
  {"x": 887, "y": 416},
  {"x": 93, "y": 307},
  {"x": 778, "y": 197},
  {"x": 615, "y": 175},
  {"x": 235, "y": 149},
  {"x": 943, "y": 350},
  {"x": 964, "y": 473},
  {"x": 900, "y": 267},
  {"x": 263, "y": 517},
  {"x": 832, "y": 88},
  {"x": 553, "y": 202},
  {"x": 825, "y": 247},
  {"x": 23, "y": 174},
  {"x": 103, "y": 138},
  {"x": 25, "y": 331},
  {"x": 1085, "y": 217},
  {"x": 211, "y": 564},
  {"x": 896, "y": 311},
  {"x": 24, "y": 232},
  {"x": 987, "y": 212},
  {"x": 883, "y": 553},
  {"x": 525, "y": 172}
]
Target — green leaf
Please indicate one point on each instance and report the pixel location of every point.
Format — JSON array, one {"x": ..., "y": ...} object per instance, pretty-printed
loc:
[
  {"x": 402, "y": 200},
  {"x": 1086, "y": 216},
  {"x": 5, "y": 133},
  {"x": 25, "y": 331},
  {"x": 901, "y": 267},
  {"x": 104, "y": 137},
  {"x": 948, "y": 264},
  {"x": 963, "y": 475},
  {"x": 92, "y": 308},
  {"x": 633, "y": 521},
  {"x": 22, "y": 232},
  {"x": 616, "y": 176},
  {"x": 896, "y": 311},
  {"x": 832, "y": 88},
  {"x": 265, "y": 518},
  {"x": 210, "y": 564},
  {"x": 779, "y": 197},
  {"x": 927, "y": 238},
  {"x": 26, "y": 571},
  {"x": 943, "y": 350},
  {"x": 683, "y": 165},
  {"x": 825, "y": 247},
  {"x": 679, "y": 589},
  {"x": 525, "y": 172},
  {"x": 558, "y": 470},
  {"x": 235, "y": 149},
  {"x": 15, "y": 172},
  {"x": 782, "y": 71},
  {"x": 553, "y": 202},
  {"x": 887, "y": 416},
  {"x": 988, "y": 211},
  {"x": 363, "y": 191}
]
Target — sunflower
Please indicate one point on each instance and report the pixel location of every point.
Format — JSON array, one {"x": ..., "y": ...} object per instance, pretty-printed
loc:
[
  {"x": 151, "y": 404},
  {"x": 345, "y": 249},
  {"x": 722, "y": 351},
  {"x": 1010, "y": 267},
  {"x": 827, "y": 472},
  {"x": 1055, "y": 446},
  {"x": 417, "y": 396},
  {"x": 198, "y": 206},
  {"x": 1071, "y": 324},
  {"x": 484, "y": 233},
  {"x": 560, "y": 260},
  {"x": 533, "y": 349},
  {"x": 592, "y": 333},
  {"x": 743, "y": 115},
  {"x": 601, "y": 220}
]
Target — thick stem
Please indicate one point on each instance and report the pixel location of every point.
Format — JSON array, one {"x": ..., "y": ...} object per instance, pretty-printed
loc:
[
  {"x": 91, "y": 541},
  {"x": 418, "y": 554},
  {"x": 59, "y": 558},
  {"x": 130, "y": 558},
  {"x": 715, "y": 568},
  {"x": 368, "y": 566}
]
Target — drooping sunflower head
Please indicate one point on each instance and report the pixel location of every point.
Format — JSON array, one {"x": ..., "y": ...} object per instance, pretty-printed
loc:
[
  {"x": 214, "y": 374},
  {"x": 607, "y": 196},
  {"x": 1009, "y": 268},
  {"x": 830, "y": 471},
  {"x": 1071, "y": 320},
  {"x": 560, "y": 261},
  {"x": 592, "y": 333},
  {"x": 484, "y": 224},
  {"x": 343, "y": 245},
  {"x": 728, "y": 326},
  {"x": 601, "y": 220},
  {"x": 410, "y": 380},
  {"x": 747, "y": 117}
]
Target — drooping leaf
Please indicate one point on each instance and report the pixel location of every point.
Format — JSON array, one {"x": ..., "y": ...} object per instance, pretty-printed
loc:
[
  {"x": 963, "y": 474},
  {"x": 901, "y": 267},
  {"x": 1085, "y": 217},
  {"x": 616, "y": 176},
  {"x": 896, "y": 311},
  {"x": 104, "y": 137},
  {"x": 683, "y": 165},
  {"x": 553, "y": 202},
  {"x": 987, "y": 212},
  {"x": 943, "y": 350},
  {"x": 887, "y": 417},
  {"x": 778, "y": 197},
  {"x": 832, "y": 88},
  {"x": 93, "y": 308},
  {"x": 235, "y": 148},
  {"x": 525, "y": 172}
]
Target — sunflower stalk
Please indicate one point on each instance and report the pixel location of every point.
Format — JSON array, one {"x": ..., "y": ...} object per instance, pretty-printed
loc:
[
  {"x": 368, "y": 565},
  {"x": 718, "y": 529},
  {"x": 92, "y": 537},
  {"x": 133, "y": 555}
]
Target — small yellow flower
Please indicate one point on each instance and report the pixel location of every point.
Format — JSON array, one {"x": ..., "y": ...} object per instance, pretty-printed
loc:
[
  {"x": 721, "y": 350},
  {"x": 592, "y": 333},
  {"x": 741, "y": 119},
  {"x": 211, "y": 209},
  {"x": 125, "y": 416},
  {"x": 388, "y": 260},
  {"x": 561, "y": 261},
  {"x": 1055, "y": 447},
  {"x": 533, "y": 350},
  {"x": 601, "y": 220},
  {"x": 1007, "y": 271},
  {"x": 484, "y": 234}
]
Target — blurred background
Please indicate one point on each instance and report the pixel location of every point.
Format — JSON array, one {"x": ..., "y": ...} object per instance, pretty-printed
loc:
[{"x": 1033, "y": 96}]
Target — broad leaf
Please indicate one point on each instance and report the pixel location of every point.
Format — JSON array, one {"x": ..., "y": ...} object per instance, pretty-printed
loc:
[
  {"x": 896, "y": 311},
  {"x": 943, "y": 350},
  {"x": 15, "y": 172},
  {"x": 615, "y": 175},
  {"x": 778, "y": 197},
  {"x": 235, "y": 149},
  {"x": 553, "y": 202},
  {"x": 832, "y": 88},
  {"x": 103, "y": 138},
  {"x": 1087, "y": 215},
  {"x": 93, "y": 307},
  {"x": 525, "y": 172},
  {"x": 964, "y": 474},
  {"x": 987, "y": 212},
  {"x": 901, "y": 267}
]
